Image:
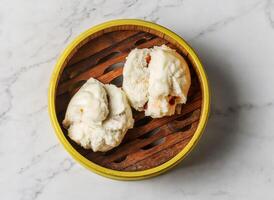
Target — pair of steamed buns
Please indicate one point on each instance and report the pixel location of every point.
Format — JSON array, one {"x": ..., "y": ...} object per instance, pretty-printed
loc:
[{"x": 155, "y": 80}]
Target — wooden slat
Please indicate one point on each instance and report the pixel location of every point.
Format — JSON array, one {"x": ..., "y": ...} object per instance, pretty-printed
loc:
[
  {"x": 99, "y": 69},
  {"x": 101, "y": 43},
  {"x": 139, "y": 131},
  {"x": 164, "y": 155},
  {"x": 133, "y": 143},
  {"x": 79, "y": 67},
  {"x": 169, "y": 141}
]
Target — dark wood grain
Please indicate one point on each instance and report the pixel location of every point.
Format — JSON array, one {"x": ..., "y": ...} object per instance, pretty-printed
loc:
[{"x": 151, "y": 142}]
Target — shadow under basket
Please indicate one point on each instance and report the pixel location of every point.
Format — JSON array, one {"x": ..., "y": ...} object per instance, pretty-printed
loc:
[{"x": 153, "y": 145}]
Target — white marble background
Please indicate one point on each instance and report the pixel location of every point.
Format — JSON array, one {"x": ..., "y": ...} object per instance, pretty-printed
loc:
[{"x": 234, "y": 160}]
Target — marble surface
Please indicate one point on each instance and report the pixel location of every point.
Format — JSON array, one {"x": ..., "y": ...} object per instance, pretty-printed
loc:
[{"x": 234, "y": 159}]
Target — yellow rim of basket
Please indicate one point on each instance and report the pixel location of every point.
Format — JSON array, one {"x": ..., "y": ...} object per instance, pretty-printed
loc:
[{"x": 122, "y": 175}]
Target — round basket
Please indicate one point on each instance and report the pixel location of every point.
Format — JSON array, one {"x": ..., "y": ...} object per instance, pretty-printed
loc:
[{"x": 153, "y": 145}]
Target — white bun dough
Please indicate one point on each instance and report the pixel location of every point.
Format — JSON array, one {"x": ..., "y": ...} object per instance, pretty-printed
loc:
[
  {"x": 136, "y": 77},
  {"x": 98, "y": 116},
  {"x": 156, "y": 80}
]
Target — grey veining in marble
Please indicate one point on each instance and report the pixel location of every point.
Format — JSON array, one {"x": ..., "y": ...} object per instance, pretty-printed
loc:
[{"x": 235, "y": 41}]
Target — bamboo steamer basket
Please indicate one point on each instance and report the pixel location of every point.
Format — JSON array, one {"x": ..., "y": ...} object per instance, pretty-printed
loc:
[{"x": 154, "y": 145}]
